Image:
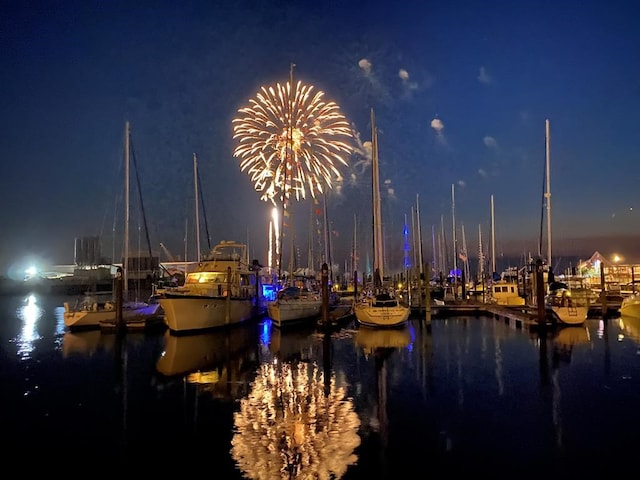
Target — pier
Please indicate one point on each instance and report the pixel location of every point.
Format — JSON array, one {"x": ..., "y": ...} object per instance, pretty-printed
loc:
[{"x": 525, "y": 317}]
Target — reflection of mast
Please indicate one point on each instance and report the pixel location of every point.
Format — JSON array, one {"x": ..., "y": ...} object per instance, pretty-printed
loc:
[{"x": 381, "y": 375}]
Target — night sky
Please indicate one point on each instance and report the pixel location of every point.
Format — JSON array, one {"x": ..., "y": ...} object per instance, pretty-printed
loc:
[{"x": 461, "y": 91}]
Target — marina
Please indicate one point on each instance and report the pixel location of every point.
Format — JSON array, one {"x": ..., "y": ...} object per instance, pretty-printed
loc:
[{"x": 469, "y": 392}]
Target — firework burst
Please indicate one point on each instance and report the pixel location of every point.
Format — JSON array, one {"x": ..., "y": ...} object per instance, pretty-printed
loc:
[{"x": 291, "y": 142}]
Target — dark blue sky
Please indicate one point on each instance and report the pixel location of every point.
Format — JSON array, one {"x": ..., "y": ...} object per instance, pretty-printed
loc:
[{"x": 490, "y": 73}]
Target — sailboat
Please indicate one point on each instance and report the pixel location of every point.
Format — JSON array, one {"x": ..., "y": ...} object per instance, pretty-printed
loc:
[
  {"x": 379, "y": 307},
  {"x": 565, "y": 306},
  {"x": 92, "y": 311}
]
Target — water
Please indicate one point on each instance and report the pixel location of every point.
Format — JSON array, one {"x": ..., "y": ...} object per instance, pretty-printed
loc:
[{"x": 464, "y": 395}]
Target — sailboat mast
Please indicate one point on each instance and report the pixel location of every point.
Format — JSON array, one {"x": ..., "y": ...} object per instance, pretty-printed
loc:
[
  {"x": 419, "y": 246},
  {"x": 453, "y": 238},
  {"x": 480, "y": 255},
  {"x": 493, "y": 240},
  {"x": 197, "y": 210},
  {"x": 377, "y": 214},
  {"x": 125, "y": 260},
  {"x": 290, "y": 165},
  {"x": 354, "y": 255},
  {"x": 547, "y": 196}
]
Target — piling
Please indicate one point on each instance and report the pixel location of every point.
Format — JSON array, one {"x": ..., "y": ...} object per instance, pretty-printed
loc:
[
  {"x": 427, "y": 290},
  {"x": 119, "y": 288},
  {"x": 603, "y": 292},
  {"x": 324, "y": 280},
  {"x": 542, "y": 314}
]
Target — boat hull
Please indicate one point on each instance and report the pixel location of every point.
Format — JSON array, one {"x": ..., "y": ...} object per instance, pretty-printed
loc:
[
  {"x": 184, "y": 313},
  {"x": 370, "y": 315},
  {"x": 283, "y": 312},
  {"x": 630, "y": 306},
  {"x": 570, "y": 315},
  {"x": 135, "y": 312}
]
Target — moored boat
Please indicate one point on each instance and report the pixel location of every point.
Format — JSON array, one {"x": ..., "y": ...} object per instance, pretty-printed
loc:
[
  {"x": 567, "y": 306},
  {"x": 93, "y": 312},
  {"x": 630, "y": 306},
  {"x": 293, "y": 305},
  {"x": 221, "y": 291},
  {"x": 379, "y": 307}
]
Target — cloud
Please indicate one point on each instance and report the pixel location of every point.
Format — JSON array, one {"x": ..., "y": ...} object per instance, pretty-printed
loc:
[
  {"x": 484, "y": 77},
  {"x": 482, "y": 172},
  {"x": 404, "y": 75},
  {"x": 490, "y": 142}
]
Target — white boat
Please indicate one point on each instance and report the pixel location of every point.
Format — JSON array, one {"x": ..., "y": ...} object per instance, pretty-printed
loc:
[
  {"x": 294, "y": 305},
  {"x": 568, "y": 306},
  {"x": 379, "y": 307},
  {"x": 630, "y": 306},
  {"x": 221, "y": 291},
  {"x": 94, "y": 312}
]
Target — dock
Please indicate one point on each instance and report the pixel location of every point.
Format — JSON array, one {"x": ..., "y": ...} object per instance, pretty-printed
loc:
[{"x": 521, "y": 317}]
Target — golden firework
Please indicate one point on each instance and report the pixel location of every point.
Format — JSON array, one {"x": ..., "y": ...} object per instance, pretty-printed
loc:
[{"x": 291, "y": 142}]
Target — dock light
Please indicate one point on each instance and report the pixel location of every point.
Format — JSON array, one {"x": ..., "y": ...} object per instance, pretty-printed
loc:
[{"x": 30, "y": 272}]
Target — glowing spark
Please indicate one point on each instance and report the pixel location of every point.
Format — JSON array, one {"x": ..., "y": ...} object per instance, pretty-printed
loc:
[{"x": 290, "y": 141}]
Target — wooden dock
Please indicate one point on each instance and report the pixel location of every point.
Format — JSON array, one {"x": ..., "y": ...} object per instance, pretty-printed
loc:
[{"x": 516, "y": 316}]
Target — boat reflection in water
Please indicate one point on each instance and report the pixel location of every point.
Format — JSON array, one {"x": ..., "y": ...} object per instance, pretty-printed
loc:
[
  {"x": 381, "y": 343},
  {"x": 380, "y": 340},
  {"x": 297, "y": 420},
  {"x": 86, "y": 343},
  {"x": 630, "y": 326},
  {"x": 567, "y": 337},
  {"x": 219, "y": 361}
]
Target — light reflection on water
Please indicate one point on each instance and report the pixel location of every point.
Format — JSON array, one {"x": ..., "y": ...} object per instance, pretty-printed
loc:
[{"x": 29, "y": 313}]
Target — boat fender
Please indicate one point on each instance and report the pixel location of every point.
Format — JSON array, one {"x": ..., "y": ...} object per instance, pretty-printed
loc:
[{"x": 108, "y": 306}]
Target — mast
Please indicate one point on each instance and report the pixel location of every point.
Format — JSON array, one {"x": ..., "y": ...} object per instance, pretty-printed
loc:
[
  {"x": 290, "y": 165},
  {"x": 547, "y": 196},
  {"x": 463, "y": 254},
  {"x": 453, "y": 238},
  {"x": 197, "y": 210},
  {"x": 480, "y": 255},
  {"x": 493, "y": 240},
  {"x": 125, "y": 261},
  {"x": 420, "y": 259},
  {"x": 354, "y": 257},
  {"x": 377, "y": 214}
]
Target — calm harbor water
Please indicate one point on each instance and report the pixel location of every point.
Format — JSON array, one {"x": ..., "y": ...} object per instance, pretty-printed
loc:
[{"x": 463, "y": 395}]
